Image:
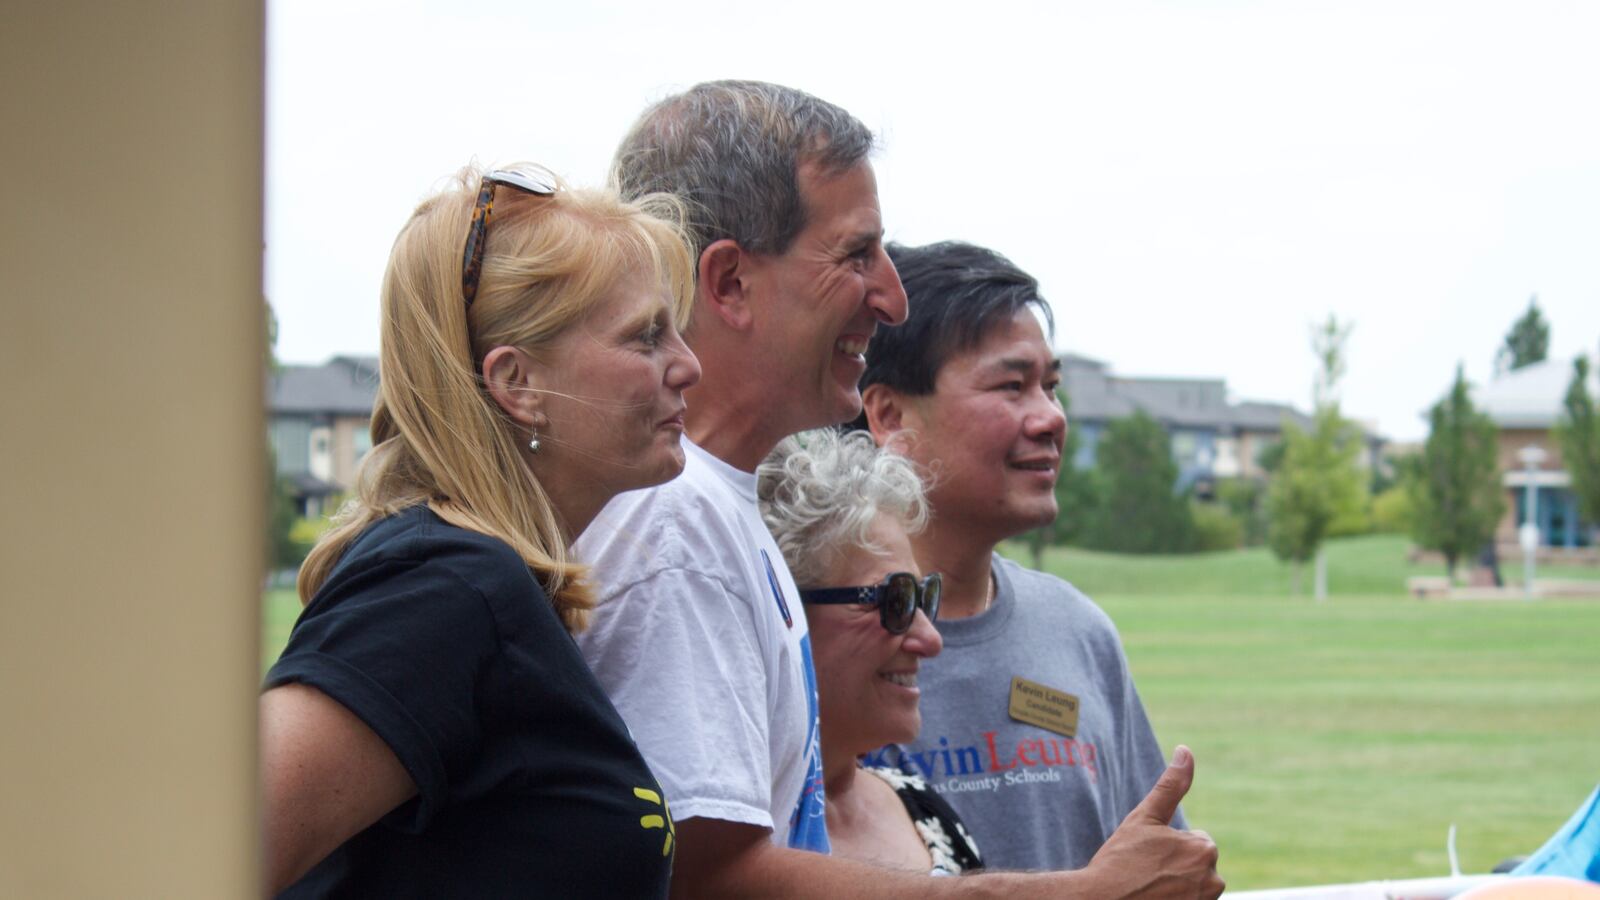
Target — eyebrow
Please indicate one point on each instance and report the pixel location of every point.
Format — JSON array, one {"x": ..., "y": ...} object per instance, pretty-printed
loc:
[
  {"x": 642, "y": 318},
  {"x": 856, "y": 241},
  {"x": 1025, "y": 365}
]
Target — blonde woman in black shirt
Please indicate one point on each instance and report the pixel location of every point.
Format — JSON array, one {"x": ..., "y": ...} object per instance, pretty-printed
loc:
[{"x": 430, "y": 729}]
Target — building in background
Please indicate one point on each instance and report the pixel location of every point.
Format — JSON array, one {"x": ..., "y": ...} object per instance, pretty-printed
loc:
[
  {"x": 1524, "y": 405},
  {"x": 1212, "y": 437},
  {"x": 319, "y": 424}
]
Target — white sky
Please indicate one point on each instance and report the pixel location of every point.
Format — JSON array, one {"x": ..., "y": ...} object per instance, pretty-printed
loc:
[{"x": 1192, "y": 183}]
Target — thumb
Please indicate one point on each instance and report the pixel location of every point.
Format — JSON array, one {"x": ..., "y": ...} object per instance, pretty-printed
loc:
[{"x": 1161, "y": 803}]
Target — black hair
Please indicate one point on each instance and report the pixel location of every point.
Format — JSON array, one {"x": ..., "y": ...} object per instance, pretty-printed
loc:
[{"x": 957, "y": 292}]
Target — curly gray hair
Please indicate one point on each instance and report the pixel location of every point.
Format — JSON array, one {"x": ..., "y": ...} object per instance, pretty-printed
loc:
[{"x": 820, "y": 492}]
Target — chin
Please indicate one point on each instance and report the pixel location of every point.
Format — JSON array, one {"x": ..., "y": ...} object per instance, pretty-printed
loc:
[
  {"x": 662, "y": 468},
  {"x": 904, "y": 735},
  {"x": 1027, "y": 519},
  {"x": 845, "y": 409}
]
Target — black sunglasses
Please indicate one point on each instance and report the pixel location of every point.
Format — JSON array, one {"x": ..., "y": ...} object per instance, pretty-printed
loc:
[
  {"x": 897, "y": 597},
  {"x": 538, "y": 183}
]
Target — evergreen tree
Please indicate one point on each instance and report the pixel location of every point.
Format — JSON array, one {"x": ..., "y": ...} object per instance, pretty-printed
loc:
[
  {"x": 1456, "y": 495},
  {"x": 1527, "y": 342},
  {"x": 1139, "y": 510},
  {"x": 1578, "y": 435},
  {"x": 1076, "y": 489},
  {"x": 1074, "y": 495}
]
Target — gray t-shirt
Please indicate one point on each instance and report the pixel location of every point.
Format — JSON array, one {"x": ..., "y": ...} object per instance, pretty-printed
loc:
[{"x": 1033, "y": 798}]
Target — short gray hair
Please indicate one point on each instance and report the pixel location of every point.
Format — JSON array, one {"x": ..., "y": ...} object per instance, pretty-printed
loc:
[
  {"x": 821, "y": 491},
  {"x": 732, "y": 150}
]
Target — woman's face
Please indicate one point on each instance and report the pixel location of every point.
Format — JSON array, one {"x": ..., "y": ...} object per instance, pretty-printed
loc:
[
  {"x": 867, "y": 677},
  {"x": 612, "y": 389}
]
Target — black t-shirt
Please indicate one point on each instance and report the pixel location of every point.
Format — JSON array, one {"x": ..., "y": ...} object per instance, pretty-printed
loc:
[{"x": 529, "y": 785}]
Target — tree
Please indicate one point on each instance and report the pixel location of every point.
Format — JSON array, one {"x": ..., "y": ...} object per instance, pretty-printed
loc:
[
  {"x": 1527, "y": 342},
  {"x": 1456, "y": 496},
  {"x": 1327, "y": 342},
  {"x": 1318, "y": 490},
  {"x": 1139, "y": 510},
  {"x": 282, "y": 551},
  {"x": 1074, "y": 495},
  {"x": 1318, "y": 487},
  {"x": 1077, "y": 494},
  {"x": 1578, "y": 434}
]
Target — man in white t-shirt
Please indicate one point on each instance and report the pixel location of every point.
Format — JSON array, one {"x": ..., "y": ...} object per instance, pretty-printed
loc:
[{"x": 699, "y": 637}]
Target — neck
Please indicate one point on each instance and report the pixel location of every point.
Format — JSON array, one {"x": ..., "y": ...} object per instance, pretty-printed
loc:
[
  {"x": 734, "y": 419},
  {"x": 839, "y": 777},
  {"x": 573, "y": 507},
  {"x": 838, "y": 767},
  {"x": 964, "y": 565}
]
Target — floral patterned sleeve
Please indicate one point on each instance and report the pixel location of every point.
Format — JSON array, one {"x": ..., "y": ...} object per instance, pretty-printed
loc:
[{"x": 953, "y": 850}]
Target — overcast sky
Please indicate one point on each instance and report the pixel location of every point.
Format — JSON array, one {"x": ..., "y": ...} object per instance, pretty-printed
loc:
[{"x": 1193, "y": 183}]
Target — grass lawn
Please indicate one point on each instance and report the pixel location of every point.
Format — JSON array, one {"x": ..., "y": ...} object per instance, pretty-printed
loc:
[
  {"x": 1371, "y": 565},
  {"x": 279, "y": 609},
  {"x": 1338, "y": 741}
]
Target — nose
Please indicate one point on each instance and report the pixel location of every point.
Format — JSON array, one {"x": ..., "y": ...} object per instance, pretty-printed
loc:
[
  {"x": 1046, "y": 420},
  {"x": 922, "y": 638},
  {"x": 886, "y": 296},
  {"x": 683, "y": 370}
]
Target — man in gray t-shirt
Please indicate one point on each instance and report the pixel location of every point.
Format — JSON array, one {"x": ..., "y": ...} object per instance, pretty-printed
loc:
[{"x": 1031, "y": 727}]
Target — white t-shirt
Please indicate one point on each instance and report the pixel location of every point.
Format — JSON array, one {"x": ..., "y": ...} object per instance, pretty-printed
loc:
[{"x": 700, "y": 641}]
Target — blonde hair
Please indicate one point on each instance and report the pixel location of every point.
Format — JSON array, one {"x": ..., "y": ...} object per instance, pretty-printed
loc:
[{"x": 438, "y": 437}]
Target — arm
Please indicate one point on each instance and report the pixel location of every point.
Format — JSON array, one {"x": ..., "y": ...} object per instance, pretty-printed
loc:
[
  {"x": 325, "y": 777},
  {"x": 1145, "y": 859},
  {"x": 726, "y": 859}
]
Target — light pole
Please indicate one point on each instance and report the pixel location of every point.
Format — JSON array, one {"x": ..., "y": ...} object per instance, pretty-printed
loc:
[{"x": 1531, "y": 456}]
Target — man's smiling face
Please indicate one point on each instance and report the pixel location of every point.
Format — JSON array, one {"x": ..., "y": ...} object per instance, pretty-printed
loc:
[
  {"x": 820, "y": 301},
  {"x": 990, "y": 434}
]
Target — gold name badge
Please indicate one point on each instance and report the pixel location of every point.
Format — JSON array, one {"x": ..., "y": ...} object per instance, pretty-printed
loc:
[{"x": 1045, "y": 707}]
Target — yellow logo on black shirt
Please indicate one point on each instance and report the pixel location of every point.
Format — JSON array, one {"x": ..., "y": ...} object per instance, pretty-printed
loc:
[{"x": 657, "y": 821}]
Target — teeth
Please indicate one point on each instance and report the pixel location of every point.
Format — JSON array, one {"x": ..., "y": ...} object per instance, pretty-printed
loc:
[
  {"x": 852, "y": 345},
  {"x": 904, "y": 679}
]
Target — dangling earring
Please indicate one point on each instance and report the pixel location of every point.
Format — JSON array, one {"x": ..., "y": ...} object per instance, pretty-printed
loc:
[{"x": 533, "y": 442}]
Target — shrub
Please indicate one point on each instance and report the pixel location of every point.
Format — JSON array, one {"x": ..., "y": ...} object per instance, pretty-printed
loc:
[
  {"x": 1246, "y": 500},
  {"x": 1215, "y": 528},
  {"x": 303, "y": 535},
  {"x": 1392, "y": 511}
]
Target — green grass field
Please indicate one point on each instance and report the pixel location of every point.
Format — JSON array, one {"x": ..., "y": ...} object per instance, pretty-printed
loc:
[{"x": 1338, "y": 741}]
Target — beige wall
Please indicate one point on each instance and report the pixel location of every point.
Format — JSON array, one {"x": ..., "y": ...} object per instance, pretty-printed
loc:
[
  {"x": 1511, "y": 441},
  {"x": 132, "y": 450},
  {"x": 345, "y": 463}
]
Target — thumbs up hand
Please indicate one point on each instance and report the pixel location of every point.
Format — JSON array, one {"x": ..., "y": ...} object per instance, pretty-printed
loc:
[{"x": 1148, "y": 859}]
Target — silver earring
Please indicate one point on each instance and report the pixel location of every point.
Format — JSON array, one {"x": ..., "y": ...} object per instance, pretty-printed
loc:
[{"x": 533, "y": 442}]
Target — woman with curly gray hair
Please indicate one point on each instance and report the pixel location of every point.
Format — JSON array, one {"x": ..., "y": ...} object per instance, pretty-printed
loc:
[{"x": 841, "y": 510}]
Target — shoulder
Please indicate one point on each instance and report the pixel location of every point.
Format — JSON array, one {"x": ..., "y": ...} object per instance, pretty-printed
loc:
[
  {"x": 902, "y": 781},
  {"x": 415, "y": 555},
  {"x": 1040, "y": 594},
  {"x": 693, "y": 524},
  {"x": 417, "y": 537}
]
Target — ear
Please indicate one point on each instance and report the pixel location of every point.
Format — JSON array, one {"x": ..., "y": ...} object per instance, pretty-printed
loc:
[
  {"x": 888, "y": 412},
  {"x": 723, "y": 270},
  {"x": 511, "y": 378}
]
